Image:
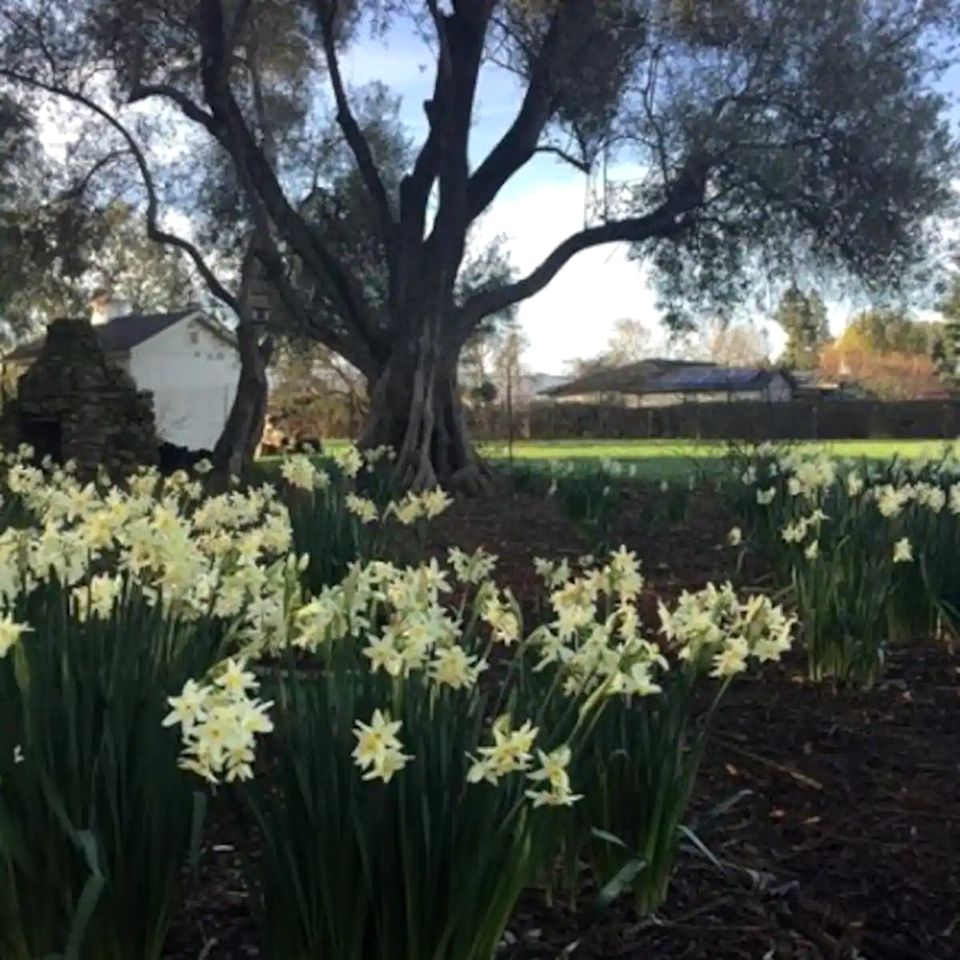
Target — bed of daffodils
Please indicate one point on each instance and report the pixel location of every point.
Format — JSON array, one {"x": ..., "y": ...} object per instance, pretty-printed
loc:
[
  {"x": 868, "y": 549},
  {"x": 408, "y": 754},
  {"x": 592, "y": 495}
]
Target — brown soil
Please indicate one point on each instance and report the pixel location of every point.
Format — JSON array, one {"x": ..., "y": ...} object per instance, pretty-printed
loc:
[{"x": 841, "y": 838}]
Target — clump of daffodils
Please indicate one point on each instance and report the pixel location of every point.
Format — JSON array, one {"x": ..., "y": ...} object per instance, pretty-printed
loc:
[
  {"x": 301, "y": 472},
  {"x": 713, "y": 629},
  {"x": 160, "y": 539},
  {"x": 219, "y": 723},
  {"x": 417, "y": 506},
  {"x": 436, "y": 626},
  {"x": 512, "y": 752},
  {"x": 472, "y": 568}
]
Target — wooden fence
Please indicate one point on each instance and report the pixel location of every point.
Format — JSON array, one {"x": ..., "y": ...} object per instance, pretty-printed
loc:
[{"x": 748, "y": 420}]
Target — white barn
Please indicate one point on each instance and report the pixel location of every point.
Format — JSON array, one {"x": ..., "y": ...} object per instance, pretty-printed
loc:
[{"x": 186, "y": 359}]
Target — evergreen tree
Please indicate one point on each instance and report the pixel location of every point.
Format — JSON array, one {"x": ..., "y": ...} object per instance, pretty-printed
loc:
[
  {"x": 945, "y": 350},
  {"x": 803, "y": 318}
]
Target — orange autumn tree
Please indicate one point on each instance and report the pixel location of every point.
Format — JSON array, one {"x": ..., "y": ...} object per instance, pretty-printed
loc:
[{"x": 887, "y": 353}]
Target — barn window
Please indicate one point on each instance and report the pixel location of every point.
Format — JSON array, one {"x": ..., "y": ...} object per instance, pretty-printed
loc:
[{"x": 194, "y": 336}]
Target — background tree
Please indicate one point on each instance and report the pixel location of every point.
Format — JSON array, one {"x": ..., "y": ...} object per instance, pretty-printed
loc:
[
  {"x": 886, "y": 352},
  {"x": 112, "y": 252},
  {"x": 778, "y": 135},
  {"x": 46, "y": 222},
  {"x": 887, "y": 331},
  {"x": 803, "y": 318},
  {"x": 739, "y": 345},
  {"x": 488, "y": 269},
  {"x": 315, "y": 394},
  {"x": 945, "y": 346},
  {"x": 631, "y": 340}
]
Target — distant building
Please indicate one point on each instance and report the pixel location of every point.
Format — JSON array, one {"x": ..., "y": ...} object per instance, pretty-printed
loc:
[
  {"x": 815, "y": 385},
  {"x": 530, "y": 386},
  {"x": 664, "y": 383}
]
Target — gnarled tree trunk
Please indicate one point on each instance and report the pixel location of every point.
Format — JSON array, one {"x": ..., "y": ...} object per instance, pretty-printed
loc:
[
  {"x": 415, "y": 408},
  {"x": 244, "y": 427}
]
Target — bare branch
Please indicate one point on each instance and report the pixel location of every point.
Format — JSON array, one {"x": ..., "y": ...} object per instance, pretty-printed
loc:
[
  {"x": 581, "y": 165},
  {"x": 79, "y": 188}
]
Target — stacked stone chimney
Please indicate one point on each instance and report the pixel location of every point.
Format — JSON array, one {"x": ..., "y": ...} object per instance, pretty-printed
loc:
[{"x": 74, "y": 403}]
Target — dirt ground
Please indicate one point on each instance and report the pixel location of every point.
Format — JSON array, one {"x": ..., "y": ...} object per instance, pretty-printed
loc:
[{"x": 833, "y": 819}]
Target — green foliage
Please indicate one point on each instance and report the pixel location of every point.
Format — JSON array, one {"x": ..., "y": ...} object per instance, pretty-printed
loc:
[
  {"x": 888, "y": 331},
  {"x": 866, "y": 549},
  {"x": 427, "y": 865},
  {"x": 92, "y": 840},
  {"x": 332, "y": 537},
  {"x": 592, "y": 495},
  {"x": 945, "y": 348},
  {"x": 643, "y": 762},
  {"x": 803, "y": 318},
  {"x": 65, "y": 249}
]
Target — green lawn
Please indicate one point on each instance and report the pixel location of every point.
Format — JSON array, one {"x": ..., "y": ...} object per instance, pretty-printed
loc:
[
  {"x": 694, "y": 449},
  {"x": 662, "y": 459},
  {"x": 678, "y": 459}
]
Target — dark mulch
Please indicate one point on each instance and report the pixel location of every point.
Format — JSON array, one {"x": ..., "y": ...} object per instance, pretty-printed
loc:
[{"x": 842, "y": 839}]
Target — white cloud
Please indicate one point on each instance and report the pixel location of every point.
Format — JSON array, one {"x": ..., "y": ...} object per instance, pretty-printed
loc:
[{"x": 573, "y": 315}]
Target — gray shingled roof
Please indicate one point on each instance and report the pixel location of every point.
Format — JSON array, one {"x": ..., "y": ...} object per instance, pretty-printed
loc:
[
  {"x": 630, "y": 378},
  {"x": 665, "y": 376},
  {"x": 121, "y": 333}
]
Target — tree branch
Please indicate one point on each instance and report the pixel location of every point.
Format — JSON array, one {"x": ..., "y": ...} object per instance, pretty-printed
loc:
[
  {"x": 77, "y": 189},
  {"x": 666, "y": 221},
  {"x": 581, "y": 165},
  {"x": 154, "y": 231},
  {"x": 190, "y": 110},
  {"x": 353, "y": 134},
  {"x": 465, "y": 32},
  {"x": 520, "y": 141},
  {"x": 259, "y": 179}
]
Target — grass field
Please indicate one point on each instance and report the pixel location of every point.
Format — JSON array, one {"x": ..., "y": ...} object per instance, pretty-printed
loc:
[
  {"x": 660, "y": 459},
  {"x": 665, "y": 459}
]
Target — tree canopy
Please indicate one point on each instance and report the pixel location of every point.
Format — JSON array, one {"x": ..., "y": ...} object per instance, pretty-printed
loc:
[
  {"x": 759, "y": 135},
  {"x": 945, "y": 350},
  {"x": 888, "y": 331}
]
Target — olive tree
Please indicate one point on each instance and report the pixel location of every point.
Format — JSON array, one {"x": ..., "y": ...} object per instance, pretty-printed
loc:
[{"x": 768, "y": 135}]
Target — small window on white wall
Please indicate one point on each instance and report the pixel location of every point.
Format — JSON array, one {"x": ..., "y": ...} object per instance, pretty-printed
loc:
[{"x": 194, "y": 336}]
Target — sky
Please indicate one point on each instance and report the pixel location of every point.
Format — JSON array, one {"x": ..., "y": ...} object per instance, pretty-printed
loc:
[{"x": 574, "y": 315}]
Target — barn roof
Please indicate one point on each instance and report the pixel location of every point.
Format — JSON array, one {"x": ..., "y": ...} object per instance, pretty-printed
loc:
[
  {"x": 630, "y": 378},
  {"x": 665, "y": 376},
  {"x": 120, "y": 334}
]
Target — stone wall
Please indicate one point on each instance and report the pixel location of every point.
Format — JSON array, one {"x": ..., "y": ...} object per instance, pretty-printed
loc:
[{"x": 75, "y": 403}]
